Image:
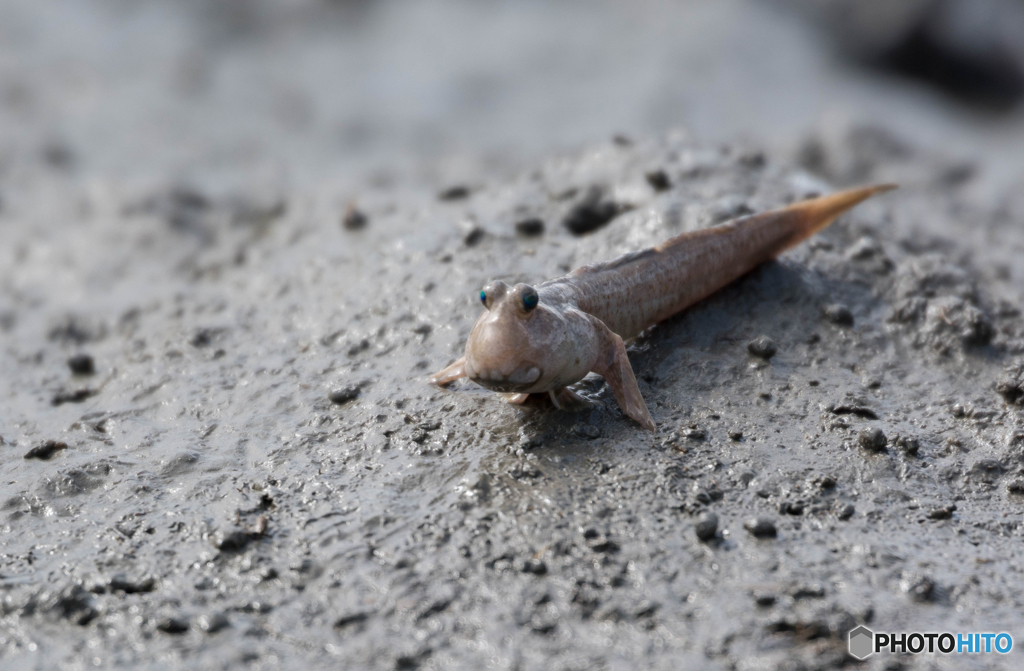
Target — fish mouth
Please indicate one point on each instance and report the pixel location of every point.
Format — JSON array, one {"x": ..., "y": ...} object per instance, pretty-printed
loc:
[
  {"x": 505, "y": 386},
  {"x": 522, "y": 379}
]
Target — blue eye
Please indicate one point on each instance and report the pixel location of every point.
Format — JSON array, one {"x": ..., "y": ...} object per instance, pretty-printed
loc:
[
  {"x": 530, "y": 298},
  {"x": 483, "y": 297}
]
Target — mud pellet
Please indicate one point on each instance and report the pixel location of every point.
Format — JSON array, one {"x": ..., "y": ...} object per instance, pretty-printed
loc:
[
  {"x": 82, "y": 364},
  {"x": 46, "y": 450},
  {"x": 343, "y": 395},
  {"x": 706, "y": 527},
  {"x": 763, "y": 347},
  {"x": 529, "y": 228},
  {"x": 839, "y": 314},
  {"x": 761, "y": 527},
  {"x": 354, "y": 219},
  {"x": 872, "y": 439}
]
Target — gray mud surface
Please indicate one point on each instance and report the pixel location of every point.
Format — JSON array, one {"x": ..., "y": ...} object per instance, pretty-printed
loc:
[
  {"x": 212, "y": 499},
  {"x": 248, "y": 469}
]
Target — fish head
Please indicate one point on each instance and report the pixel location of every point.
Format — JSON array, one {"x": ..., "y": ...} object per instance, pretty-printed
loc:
[{"x": 521, "y": 344}]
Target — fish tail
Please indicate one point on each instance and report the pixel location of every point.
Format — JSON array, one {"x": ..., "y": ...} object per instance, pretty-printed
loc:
[{"x": 810, "y": 216}]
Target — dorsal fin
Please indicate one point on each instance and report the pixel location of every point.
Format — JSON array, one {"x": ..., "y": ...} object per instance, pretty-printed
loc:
[{"x": 618, "y": 262}]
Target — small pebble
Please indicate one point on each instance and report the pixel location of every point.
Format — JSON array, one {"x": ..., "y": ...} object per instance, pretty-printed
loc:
[
  {"x": 529, "y": 228},
  {"x": 814, "y": 591},
  {"x": 212, "y": 623},
  {"x": 76, "y": 396},
  {"x": 872, "y": 439},
  {"x": 694, "y": 433},
  {"x": 763, "y": 347},
  {"x": 736, "y": 435},
  {"x": 764, "y": 599},
  {"x": 827, "y": 482},
  {"x": 457, "y": 192},
  {"x": 172, "y": 625},
  {"x": 591, "y": 212},
  {"x": 233, "y": 541},
  {"x": 1015, "y": 486},
  {"x": 46, "y": 450},
  {"x": 837, "y": 313},
  {"x": 658, "y": 179},
  {"x": 82, "y": 364},
  {"x": 791, "y": 508},
  {"x": 474, "y": 236},
  {"x": 943, "y": 513},
  {"x": 343, "y": 395},
  {"x": 908, "y": 444},
  {"x": 761, "y": 527},
  {"x": 534, "y": 566},
  {"x": 706, "y": 527},
  {"x": 846, "y": 511},
  {"x": 354, "y": 219},
  {"x": 122, "y": 583}
]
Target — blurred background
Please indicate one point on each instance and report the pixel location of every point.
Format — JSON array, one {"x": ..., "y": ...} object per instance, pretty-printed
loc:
[{"x": 230, "y": 92}]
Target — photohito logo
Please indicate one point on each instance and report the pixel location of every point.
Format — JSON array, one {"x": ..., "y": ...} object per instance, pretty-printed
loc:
[{"x": 864, "y": 643}]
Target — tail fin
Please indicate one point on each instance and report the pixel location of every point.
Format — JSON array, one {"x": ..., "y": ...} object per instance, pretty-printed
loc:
[{"x": 817, "y": 213}]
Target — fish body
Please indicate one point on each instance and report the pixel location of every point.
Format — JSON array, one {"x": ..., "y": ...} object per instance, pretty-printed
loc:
[{"x": 541, "y": 340}]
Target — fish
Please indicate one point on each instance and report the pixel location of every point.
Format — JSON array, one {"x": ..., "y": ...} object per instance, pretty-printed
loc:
[{"x": 541, "y": 340}]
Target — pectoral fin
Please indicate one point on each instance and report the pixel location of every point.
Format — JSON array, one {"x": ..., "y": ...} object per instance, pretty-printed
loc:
[
  {"x": 613, "y": 366},
  {"x": 450, "y": 374}
]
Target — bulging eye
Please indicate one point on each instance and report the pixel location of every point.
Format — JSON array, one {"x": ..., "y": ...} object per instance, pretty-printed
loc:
[
  {"x": 483, "y": 297},
  {"x": 530, "y": 298}
]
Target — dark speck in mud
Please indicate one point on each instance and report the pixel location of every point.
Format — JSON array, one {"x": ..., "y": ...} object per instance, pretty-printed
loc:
[
  {"x": 474, "y": 236},
  {"x": 1011, "y": 385},
  {"x": 121, "y": 583},
  {"x": 658, "y": 179},
  {"x": 232, "y": 541},
  {"x": 58, "y": 155},
  {"x": 350, "y": 619},
  {"x": 791, "y": 508},
  {"x": 534, "y": 566},
  {"x": 212, "y": 623},
  {"x": 204, "y": 337},
  {"x": 762, "y": 347},
  {"x": 761, "y": 527},
  {"x": 73, "y": 604},
  {"x": 706, "y": 527},
  {"x": 918, "y": 587},
  {"x": 694, "y": 433},
  {"x": 76, "y": 396},
  {"x": 46, "y": 450},
  {"x": 354, "y": 219},
  {"x": 172, "y": 625},
  {"x": 839, "y": 314},
  {"x": 736, "y": 435},
  {"x": 344, "y": 395},
  {"x": 594, "y": 210},
  {"x": 845, "y": 511},
  {"x": 873, "y": 439},
  {"x": 853, "y": 408},
  {"x": 753, "y": 159},
  {"x": 82, "y": 364},
  {"x": 942, "y": 513},
  {"x": 529, "y": 228},
  {"x": 455, "y": 192}
]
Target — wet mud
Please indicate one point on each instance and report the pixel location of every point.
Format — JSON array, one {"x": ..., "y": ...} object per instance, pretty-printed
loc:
[{"x": 252, "y": 470}]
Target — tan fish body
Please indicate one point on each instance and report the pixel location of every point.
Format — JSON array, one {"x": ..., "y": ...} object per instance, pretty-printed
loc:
[{"x": 533, "y": 341}]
